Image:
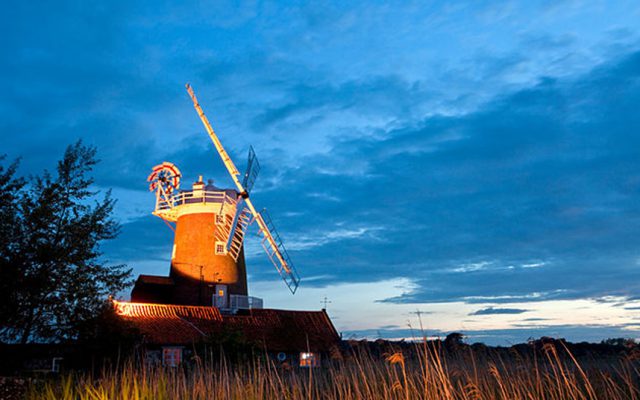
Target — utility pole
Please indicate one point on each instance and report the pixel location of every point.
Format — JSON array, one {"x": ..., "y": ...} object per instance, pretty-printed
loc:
[
  {"x": 419, "y": 314},
  {"x": 324, "y": 303}
]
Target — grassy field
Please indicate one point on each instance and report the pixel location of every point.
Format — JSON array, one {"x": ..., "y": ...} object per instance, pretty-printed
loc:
[{"x": 424, "y": 372}]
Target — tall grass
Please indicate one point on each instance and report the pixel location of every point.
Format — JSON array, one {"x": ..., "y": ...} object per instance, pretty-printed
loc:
[{"x": 423, "y": 372}]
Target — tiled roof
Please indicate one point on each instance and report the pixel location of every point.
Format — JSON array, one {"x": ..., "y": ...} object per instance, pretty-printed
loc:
[
  {"x": 275, "y": 330},
  {"x": 284, "y": 330},
  {"x": 149, "y": 310}
]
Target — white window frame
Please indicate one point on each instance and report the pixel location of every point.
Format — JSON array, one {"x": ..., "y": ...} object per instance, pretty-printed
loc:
[
  {"x": 224, "y": 248},
  {"x": 172, "y": 356}
]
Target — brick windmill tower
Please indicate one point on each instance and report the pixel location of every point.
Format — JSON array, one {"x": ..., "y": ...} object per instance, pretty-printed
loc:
[{"x": 209, "y": 224}]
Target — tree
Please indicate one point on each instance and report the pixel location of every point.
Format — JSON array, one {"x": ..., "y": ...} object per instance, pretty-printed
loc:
[
  {"x": 622, "y": 342},
  {"x": 10, "y": 232},
  {"x": 454, "y": 341},
  {"x": 56, "y": 279}
]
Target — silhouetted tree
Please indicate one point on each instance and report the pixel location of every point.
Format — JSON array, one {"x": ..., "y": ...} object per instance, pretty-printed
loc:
[
  {"x": 52, "y": 276},
  {"x": 454, "y": 341},
  {"x": 622, "y": 342},
  {"x": 10, "y": 237}
]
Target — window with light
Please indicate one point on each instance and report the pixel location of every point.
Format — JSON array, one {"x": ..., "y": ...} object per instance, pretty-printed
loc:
[{"x": 309, "y": 360}]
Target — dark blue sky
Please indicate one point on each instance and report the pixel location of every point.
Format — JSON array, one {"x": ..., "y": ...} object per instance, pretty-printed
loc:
[{"x": 478, "y": 162}]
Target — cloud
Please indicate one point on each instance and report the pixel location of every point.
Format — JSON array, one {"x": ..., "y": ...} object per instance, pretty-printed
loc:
[
  {"x": 535, "y": 319},
  {"x": 143, "y": 239},
  {"x": 494, "y": 311}
]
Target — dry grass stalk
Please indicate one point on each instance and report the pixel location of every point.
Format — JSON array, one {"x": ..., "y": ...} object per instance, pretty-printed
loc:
[{"x": 428, "y": 373}]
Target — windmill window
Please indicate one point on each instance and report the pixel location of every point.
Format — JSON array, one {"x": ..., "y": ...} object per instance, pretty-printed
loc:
[
  {"x": 220, "y": 248},
  {"x": 219, "y": 219}
]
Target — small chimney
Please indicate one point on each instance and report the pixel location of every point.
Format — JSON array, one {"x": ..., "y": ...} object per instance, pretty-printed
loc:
[{"x": 199, "y": 184}]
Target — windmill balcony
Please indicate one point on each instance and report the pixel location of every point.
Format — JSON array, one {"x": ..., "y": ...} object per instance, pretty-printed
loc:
[
  {"x": 240, "y": 302},
  {"x": 168, "y": 208},
  {"x": 196, "y": 197}
]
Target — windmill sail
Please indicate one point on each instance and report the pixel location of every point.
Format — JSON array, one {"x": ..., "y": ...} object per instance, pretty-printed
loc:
[
  {"x": 274, "y": 247},
  {"x": 253, "y": 168}
]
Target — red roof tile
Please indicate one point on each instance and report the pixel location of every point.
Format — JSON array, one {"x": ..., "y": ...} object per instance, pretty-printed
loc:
[
  {"x": 275, "y": 330},
  {"x": 149, "y": 310}
]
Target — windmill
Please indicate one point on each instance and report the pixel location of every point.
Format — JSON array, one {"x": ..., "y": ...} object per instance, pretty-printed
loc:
[{"x": 210, "y": 226}]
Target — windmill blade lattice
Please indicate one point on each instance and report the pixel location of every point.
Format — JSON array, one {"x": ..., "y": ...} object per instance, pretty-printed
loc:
[
  {"x": 165, "y": 179},
  {"x": 251, "y": 174},
  {"x": 274, "y": 247}
]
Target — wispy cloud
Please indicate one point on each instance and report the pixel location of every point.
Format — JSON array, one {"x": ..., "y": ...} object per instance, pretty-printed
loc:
[{"x": 495, "y": 310}]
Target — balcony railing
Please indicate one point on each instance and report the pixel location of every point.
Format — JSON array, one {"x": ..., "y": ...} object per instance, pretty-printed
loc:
[
  {"x": 240, "y": 302},
  {"x": 166, "y": 208},
  {"x": 194, "y": 197}
]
